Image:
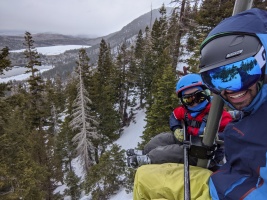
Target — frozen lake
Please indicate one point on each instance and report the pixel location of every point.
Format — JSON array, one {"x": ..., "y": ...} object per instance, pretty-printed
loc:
[
  {"x": 21, "y": 70},
  {"x": 54, "y": 50},
  {"x": 18, "y": 73}
]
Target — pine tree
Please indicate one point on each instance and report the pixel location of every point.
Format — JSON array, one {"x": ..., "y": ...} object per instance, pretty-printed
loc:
[
  {"x": 31, "y": 147},
  {"x": 4, "y": 61},
  {"x": 104, "y": 98},
  {"x": 37, "y": 115},
  {"x": 36, "y": 101},
  {"x": 173, "y": 37},
  {"x": 17, "y": 166},
  {"x": 137, "y": 68},
  {"x": 147, "y": 68},
  {"x": 160, "y": 54},
  {"x": 139, "y": 45},
  {"x": 4, "y": 66},
  {"x": 65, "y": 149},
  {"x": 73, "y": 183},
  {"x": 105, "y": 178},
  {"x": 124, "y": 82},
  {"x": 33, "y": 60},
  {"x": 83, "y": 121},
  {"x": 210, "y": 13},
  {"x": 86, "y": 69},
  {"x": 159, "y": 33},
  {"x": 165, "y": 101},
  {"x": 178, "y": 27},
  {"x": 54, "y": 90},
  {"x": 53, "y": 95}
]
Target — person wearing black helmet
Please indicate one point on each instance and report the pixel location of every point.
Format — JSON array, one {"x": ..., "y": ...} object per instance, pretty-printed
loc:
[
  {"x": 233, "y": 65},
  {"x": 168, "y": 147}
]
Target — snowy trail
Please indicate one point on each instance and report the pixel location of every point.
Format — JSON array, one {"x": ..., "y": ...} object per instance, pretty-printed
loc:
[{"x": 131, "y": 135}]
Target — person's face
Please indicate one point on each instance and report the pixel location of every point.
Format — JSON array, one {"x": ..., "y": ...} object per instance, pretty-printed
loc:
[
  {"x": 191, "y": 91},
  {"x": 240, "y": 99}
]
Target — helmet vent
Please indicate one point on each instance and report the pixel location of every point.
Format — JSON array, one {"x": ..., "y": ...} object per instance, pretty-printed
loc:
[{"x": 237, "y": 40}]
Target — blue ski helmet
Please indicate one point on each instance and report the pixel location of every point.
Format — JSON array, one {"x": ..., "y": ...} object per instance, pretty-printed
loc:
[{"x": 188, "y": 81}]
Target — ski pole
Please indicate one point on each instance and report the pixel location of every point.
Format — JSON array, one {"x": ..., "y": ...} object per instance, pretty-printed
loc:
[
  {"x": 186, "y": 146},
  {"x": 212, "y": 127}
]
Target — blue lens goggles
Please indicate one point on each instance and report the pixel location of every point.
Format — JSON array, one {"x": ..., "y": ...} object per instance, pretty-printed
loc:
[{"x": 236, "y": 76}]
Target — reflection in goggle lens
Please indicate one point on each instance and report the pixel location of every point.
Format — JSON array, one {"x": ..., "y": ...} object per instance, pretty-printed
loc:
[
  {"x": 235, "y": 76},
  {"x": 196, "y": 97}
]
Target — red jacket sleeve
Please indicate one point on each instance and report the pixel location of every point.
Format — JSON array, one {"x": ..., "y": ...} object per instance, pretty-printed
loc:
[
  {"x": 226, "y": 118},
  {"x": 179, "y": 113}
]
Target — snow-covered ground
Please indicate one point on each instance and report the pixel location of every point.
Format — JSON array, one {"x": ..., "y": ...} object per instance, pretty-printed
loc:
[
  {"x": 131, "y": 135},
  {"x": 129, "y": 138}
]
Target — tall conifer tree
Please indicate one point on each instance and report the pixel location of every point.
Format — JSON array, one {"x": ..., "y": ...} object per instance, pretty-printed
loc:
[
  {"x": 105, "y": 178},
  {"x": 38, "y": 113},
  {"x": 36, "y": 87},
  {"x": 165, "y": 101},
  {"x": 147, "y": 69},
  {"x": 124, "y": 82},
  {"x": 4, "y": 61},
  {"x": 20, "y": 175},
  {"x": 82, "y": 119},
  {"x": 104, "y": 97},
  {"x": 138, "y": 69}
]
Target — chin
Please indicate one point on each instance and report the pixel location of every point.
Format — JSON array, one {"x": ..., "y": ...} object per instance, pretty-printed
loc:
[{"x": 240, "y": 106}]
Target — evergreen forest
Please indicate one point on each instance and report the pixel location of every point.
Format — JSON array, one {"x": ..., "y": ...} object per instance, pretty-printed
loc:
[{"x": 47, "y": 123}]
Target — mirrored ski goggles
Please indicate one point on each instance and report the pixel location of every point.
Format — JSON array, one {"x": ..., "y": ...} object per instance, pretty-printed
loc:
[
  {"x": 196, "y": 97},
  {"x": 236, "y": 76}
]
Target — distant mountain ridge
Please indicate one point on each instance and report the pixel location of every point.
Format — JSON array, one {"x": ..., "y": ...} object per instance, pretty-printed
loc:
[
  {"x": 65, "y": 62},
  {"x": 15, "y": 42}
]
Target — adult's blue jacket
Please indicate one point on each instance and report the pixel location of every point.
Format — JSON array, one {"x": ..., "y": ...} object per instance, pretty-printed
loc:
[{"x": 244, "y": 176}]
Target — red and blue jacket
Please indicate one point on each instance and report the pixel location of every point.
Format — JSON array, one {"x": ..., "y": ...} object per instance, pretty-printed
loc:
[{"x": 195, "y": 125}]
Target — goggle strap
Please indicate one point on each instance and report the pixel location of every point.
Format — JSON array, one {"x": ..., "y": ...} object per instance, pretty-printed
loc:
[{"x": 261, "y": 57}]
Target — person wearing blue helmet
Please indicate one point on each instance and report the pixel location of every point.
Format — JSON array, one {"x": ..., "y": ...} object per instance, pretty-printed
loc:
[
  {"x": 195, "y": 98},
  {"x": 233, "y": 65},
  {"x": 168, "y": 147}
]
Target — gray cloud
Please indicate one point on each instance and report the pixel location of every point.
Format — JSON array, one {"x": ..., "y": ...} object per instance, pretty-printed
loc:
[{"x": 90, "y": 17}]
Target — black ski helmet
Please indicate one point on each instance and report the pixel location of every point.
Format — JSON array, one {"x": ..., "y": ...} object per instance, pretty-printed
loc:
[
  {"x": 224, "y": 49},
  {"x": 234, "y": 39}
]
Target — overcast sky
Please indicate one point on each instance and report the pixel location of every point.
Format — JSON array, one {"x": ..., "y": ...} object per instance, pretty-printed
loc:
[{"x": 90, "y": 17}]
